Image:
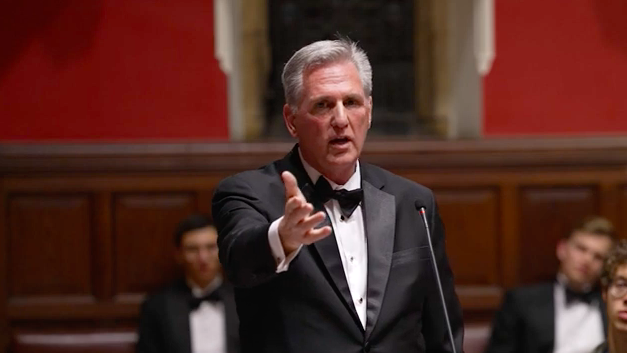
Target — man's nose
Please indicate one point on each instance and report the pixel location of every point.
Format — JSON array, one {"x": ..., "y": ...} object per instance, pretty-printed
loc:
[
  {"x": 203, "y": 255},
  {"x": 340, "y": 118},
  {"x": 588, "y": 259}
]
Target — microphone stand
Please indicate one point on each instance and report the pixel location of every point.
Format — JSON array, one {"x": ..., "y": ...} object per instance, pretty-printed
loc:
[{"x": 423, "y": 214}]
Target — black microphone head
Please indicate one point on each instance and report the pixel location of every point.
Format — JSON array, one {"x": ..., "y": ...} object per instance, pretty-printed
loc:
[{"x": 419, "y": 206}]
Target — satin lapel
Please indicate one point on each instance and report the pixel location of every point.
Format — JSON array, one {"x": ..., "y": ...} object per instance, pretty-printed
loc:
[
  {"x": 326, "y": 248},
  {"x": 179, "y": 309},
  {"x": 546, "y": 315},
  {"x": 330, "y": 257},
  {"x": 230, "y": 318},
  {"x": 602, "y": 306},
  {"x": 379, "y": 220}
]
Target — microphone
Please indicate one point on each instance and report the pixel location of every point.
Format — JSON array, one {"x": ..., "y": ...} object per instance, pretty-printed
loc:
[{"x": 423, "y": 213}]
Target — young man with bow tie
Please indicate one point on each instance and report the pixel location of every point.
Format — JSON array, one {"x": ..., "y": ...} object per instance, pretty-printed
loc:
[
  {"x": 564, "y": 316},
  {"x": 196, "y": 313},
  {"x": 328, "y": 253}
]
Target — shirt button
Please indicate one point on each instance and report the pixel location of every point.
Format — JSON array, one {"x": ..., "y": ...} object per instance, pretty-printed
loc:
[
  {"x": 352, "y": 258},
  {"x": 342, "y": 218},
  {"x": 361, "y": 300}
]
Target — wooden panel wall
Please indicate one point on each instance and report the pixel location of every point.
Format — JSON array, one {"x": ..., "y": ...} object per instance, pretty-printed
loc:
[{"x": 86, "y": 230}]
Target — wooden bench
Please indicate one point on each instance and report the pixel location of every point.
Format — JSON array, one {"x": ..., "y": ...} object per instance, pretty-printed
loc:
[
  {"x": 84, "y": 341},
  {"x": 123, "y": 340}
]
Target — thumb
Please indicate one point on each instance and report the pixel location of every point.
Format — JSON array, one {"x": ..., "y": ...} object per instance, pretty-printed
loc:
[{"x": 291, "y": 186}]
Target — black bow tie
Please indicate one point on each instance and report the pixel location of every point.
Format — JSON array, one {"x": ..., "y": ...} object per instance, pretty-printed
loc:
[
  {"x": 348, "y": 200},
  {"x": 572, "y": 296},
  {"x": 213, "y": 297}
]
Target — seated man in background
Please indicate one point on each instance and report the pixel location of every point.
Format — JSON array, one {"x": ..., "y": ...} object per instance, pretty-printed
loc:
[
  {"x": 197, "y": 312},
  {"x": 565, "y": 315},
  {"x": 614, "y": 284}
]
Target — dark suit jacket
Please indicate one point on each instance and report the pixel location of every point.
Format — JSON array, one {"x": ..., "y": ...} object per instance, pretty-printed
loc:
[
  {"x": 164, "y": 320},
  {"x": 309, "y": 308},
  {"x": 526, "y": 321}
]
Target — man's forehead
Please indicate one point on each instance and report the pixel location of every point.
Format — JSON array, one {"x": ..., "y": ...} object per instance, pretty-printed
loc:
[
  {"x": 332, "y": 79},
  {"x": 586, "y": 237},
  {"x": 208, "y": 233}
]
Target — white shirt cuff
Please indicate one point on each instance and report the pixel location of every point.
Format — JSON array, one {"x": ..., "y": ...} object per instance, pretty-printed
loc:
[{"x": 283, "y": 261}]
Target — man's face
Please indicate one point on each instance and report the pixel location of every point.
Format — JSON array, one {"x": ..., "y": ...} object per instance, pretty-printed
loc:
[
  {"x": 198, "y": 254},
  {"x": 581, "y": 258},
  {"x": 332, "y": 119},
  {"x": 617, "y": 304}
]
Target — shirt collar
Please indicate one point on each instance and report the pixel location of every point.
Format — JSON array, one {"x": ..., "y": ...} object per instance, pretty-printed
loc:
[
  {"x": 200, "y": 292},
  {"x": 354, "y": 182}
]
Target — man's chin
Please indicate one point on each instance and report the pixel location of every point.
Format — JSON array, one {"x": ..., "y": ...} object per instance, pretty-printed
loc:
[{"x": 340, "y": 158}]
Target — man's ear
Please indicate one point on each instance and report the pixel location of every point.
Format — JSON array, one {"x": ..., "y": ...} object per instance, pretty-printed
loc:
[{"x": 288, "y": 118}]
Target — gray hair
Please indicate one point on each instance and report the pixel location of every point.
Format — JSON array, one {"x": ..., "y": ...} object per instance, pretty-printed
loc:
[{"x": 321, "y": 53}]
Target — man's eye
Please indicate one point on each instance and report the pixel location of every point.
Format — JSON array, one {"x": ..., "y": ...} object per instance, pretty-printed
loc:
[{"x": 320, "y": 105}]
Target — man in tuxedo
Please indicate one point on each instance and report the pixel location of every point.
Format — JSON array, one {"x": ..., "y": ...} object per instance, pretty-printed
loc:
[
  {"x": 565, "y": 315},
  {"x": 196, "y": 313},
  {"x": 328, "y": 253},
  {"x": 614, "y": 284}
]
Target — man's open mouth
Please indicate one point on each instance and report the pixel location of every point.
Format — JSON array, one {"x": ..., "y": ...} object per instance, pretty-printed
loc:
[{"x": 340, "y": 141}]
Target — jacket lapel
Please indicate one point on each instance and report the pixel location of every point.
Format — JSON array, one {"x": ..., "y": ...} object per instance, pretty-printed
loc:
[
  {"x": 545, "y": 313},
  {"x": 230, "y": 318},
  {"x": 330, "y": 257},
  {"x": 379, "y": 222},
  {"x": 179, "y": 309},
  {"x": 602, "y": 306},
  {"x": 326, "y": 248}
]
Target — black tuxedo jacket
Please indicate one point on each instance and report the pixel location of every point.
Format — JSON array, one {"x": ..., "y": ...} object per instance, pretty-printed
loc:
[
  {"x": 525, "y": 322},
  {"x": 164, "y": 320},
  {"x": 309, "y": 307}
]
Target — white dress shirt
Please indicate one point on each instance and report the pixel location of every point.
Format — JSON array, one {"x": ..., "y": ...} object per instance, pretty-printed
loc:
[
  {"x": 349, "y": 235},
  {"x": 578, "y": 325},
  {"x": 207, "y": 322}
]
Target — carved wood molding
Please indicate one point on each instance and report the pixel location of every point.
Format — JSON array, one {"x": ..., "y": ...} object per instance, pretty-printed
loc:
[{"x": 392, "y": 154}]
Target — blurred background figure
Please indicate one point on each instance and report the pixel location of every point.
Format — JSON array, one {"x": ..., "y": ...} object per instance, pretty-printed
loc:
[
  {"x": 196, "y": 313},
  {"x": 614, "y": 284},
  {"x": 565, "y": 315}
]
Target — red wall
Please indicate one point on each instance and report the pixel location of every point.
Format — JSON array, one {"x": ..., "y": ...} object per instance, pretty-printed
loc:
[
  {"x": 107, "y": 70},
  {"x": 134, "y": 69},
  {"x": 560, "y": 68}
]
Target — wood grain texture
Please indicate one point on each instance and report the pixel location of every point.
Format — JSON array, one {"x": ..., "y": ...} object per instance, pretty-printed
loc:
[
  {"x": 50, "y": 245},
  {"x": 471, "y": 220},
  {"x": 144, "y": 225},
  {"x": 86, "y": 230},
  {"x": 547, "y": 215}
]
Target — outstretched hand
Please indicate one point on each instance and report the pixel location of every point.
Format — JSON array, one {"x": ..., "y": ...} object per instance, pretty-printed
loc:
[{"x": 297, "y": 226}]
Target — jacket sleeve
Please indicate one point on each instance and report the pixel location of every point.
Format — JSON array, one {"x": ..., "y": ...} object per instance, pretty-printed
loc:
[
  {"x": 242, "y": 223},
  {"x": 434, "y": 327},
  {"x": 506, "y": 328}
]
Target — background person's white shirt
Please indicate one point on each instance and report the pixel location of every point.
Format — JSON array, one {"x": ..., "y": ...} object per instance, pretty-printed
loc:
[
  {"x": 207, "y": 323},
  {"x": 578, "y": 325}
]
